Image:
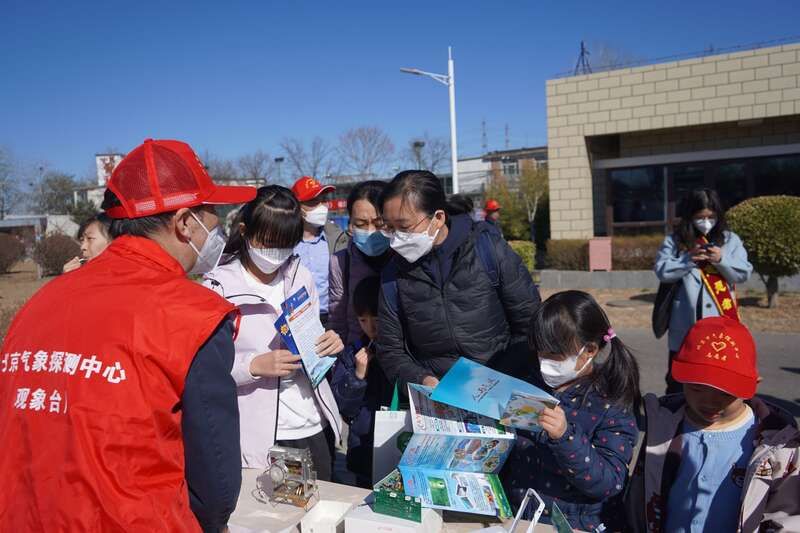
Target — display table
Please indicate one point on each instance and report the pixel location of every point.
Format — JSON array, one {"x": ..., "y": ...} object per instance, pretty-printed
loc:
[{"x": 253, "y": 516}]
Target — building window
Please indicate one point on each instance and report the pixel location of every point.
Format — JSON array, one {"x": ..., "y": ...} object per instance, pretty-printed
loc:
[
  {"x": 777, "y": 175},
  {"x": 510, "y": 168},
  {"x": 638, "y": 195}
]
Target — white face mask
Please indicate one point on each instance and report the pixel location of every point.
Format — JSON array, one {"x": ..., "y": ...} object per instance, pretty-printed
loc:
[
  {"x": 268, "y": 260},
  {"x": 556, "y": 373},
  {"x": 208, "y": 256},
  {"x": 317, "y": 216},
  {"x": 411, "y": 246},
  {"x": 705, "y": 225}
]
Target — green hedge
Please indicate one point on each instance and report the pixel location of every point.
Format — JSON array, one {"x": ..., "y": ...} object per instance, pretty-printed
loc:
[
  {"x": 627, "y": 253},
  {"x": 635, "y": 253},
  {"x": 53, "y": 251},
  {"x": 11, "y": 251},
  {"x": 526, "y": 250},
  {"x": 568, "y": 254}
]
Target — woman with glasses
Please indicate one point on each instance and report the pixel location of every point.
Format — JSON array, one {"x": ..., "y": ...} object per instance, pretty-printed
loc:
[
  {"x": 455, "y": 289},
  {"x": 365, "y": 256}
]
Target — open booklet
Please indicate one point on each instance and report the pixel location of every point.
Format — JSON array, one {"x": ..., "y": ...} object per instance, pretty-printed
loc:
[
  {"x": 299, "y": 328},
  {"x": 477, "y": 388},
  {"x": 452, "y": 460}
]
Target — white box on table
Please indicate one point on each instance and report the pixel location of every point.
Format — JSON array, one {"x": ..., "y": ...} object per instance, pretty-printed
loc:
[
  {"x": 363, "y": 519},
  {"x": 327, "y": 516}
]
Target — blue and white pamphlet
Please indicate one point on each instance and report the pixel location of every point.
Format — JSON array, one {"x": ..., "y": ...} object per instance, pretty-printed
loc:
[
  {"x": 473, "y": 387},
  {"x": 452, "y": 460},
  {"x": 299, "y": 328}
]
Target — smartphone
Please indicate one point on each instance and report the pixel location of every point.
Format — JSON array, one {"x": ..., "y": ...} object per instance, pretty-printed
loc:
[{"x": 707, "y": 246}]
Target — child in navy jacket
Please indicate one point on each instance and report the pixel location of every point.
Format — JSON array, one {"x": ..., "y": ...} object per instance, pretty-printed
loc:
[
  {"x": 579, "y": 459},
  {"x": 359, "y": 384}
]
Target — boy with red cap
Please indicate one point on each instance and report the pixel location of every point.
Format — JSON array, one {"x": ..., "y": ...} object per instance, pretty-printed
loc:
[
  {"x": 321, "y": 238},
  {"x": 117, "y": 406},
  {"x": 716, "y": 456}
]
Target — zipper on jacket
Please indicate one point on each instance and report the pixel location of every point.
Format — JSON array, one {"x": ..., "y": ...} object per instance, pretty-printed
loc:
[{"x": 444, "y": 308}]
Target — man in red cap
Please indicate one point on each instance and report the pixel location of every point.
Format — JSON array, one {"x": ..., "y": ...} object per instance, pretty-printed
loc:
[
  {"x": 716, "y": 456},
  {"x": 321, "y": 238},
  {"x": 492, "y": 210},
  {"x": 117, "y": 405}
]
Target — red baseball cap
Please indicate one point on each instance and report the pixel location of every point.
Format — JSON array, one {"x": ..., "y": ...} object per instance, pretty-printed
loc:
[
  {"x": 307, "y": 188},
  {"x": 492, "y": 205},
  {"x": 162, "y": 176},
  {"x": 721, "y": 353}
]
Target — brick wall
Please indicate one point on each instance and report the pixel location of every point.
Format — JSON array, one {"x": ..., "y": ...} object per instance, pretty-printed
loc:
[{"x": 711, "y": 90}]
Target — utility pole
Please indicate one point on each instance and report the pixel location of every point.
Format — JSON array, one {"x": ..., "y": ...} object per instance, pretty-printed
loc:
[
  {"x": 484, "y": 138},
  {"x": 506, "y": 136}
]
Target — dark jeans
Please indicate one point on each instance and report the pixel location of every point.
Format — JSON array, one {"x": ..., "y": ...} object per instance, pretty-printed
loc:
[
  {"x": 673, "y": 386},
  {"x": 322, "y": 446}
]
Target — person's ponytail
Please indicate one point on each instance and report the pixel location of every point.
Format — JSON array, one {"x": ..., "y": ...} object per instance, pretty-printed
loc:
[{"x": 618, "y": 376}]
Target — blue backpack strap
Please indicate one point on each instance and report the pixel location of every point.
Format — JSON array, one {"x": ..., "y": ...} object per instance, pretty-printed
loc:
[{"x": 486, "y": 252}]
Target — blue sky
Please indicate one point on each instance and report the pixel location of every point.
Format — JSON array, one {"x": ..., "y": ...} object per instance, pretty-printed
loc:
[{"x": 233, "y": 77}]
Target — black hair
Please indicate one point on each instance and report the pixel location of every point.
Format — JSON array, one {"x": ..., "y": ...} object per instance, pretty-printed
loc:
[
  {"x": 370, "y": 191},
  {"x": 138, "y": 227},
  {"x": 420, "y": 187},
  {"x": 272, "y": 219},
  {"x": 103, "y": 221},
  {"x": 459, "y": 204},
  {"x": 365, "y": 296},
  {"x": 571, "y": 319},
  {"x": 695, "y": 201}
]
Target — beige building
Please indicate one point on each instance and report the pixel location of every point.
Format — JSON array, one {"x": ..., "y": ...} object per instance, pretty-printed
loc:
[{"x": 626, "y": 145}]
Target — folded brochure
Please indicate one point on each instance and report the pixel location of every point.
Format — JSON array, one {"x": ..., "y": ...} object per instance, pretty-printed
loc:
[
  {"x": 452, "y": 460},
  {"x": 471, "y": 386},
  {"x": 300, "y": 328}
]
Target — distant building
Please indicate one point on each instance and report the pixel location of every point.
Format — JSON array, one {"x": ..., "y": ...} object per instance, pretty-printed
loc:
[
  {"x": 476, "y": 173},
  {"x": 625, "y": 146}
]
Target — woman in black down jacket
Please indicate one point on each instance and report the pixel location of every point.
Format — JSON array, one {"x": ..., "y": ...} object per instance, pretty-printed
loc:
[{"x": 455, "y": 289}]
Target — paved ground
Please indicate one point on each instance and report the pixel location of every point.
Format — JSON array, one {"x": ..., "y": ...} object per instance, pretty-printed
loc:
[{"x": 779, "y": 364}]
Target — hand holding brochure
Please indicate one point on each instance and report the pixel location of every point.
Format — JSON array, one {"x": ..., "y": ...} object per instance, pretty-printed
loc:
[
  {"x": 474, "y": 387},
  {"x": 300, "y": 328},
  {"x": 452, "y": 460}
]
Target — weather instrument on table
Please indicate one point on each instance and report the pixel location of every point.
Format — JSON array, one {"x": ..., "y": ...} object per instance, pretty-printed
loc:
[{"x": 290, "y": 477}]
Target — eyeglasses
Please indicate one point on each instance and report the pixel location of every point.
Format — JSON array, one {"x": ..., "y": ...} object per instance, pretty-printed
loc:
[{"x": 389, "y": 232}]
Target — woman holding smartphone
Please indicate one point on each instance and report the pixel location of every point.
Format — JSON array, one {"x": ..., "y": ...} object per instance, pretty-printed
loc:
[{"x": 708, "y": 260}]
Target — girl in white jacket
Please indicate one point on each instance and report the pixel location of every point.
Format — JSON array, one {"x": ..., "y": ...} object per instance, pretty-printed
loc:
[{"x": 277, "y": 404}]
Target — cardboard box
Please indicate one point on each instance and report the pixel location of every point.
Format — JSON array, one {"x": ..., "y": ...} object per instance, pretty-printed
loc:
[
  {"x": 362, "y": 519},
  {"x": 327, "y": 516}
]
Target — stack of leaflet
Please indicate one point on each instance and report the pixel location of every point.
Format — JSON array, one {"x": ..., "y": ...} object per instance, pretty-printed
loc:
[
  {"x": 300, "y": 328},
  {"x": 479, "y": 389},
  {"x": 452, "y": 460}
]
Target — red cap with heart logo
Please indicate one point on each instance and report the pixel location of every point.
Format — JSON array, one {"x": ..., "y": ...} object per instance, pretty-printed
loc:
[{"x": 718, "y": 352}]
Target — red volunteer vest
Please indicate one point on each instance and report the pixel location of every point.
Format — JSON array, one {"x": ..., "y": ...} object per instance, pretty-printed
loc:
[{"x": 91, "y": 374}]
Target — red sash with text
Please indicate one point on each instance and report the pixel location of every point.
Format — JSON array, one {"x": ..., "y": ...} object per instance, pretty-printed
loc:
[{"x": 718, "y": 287}]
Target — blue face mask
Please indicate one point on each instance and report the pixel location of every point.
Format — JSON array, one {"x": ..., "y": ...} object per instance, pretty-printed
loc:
[{"x": 371, "y": 243}]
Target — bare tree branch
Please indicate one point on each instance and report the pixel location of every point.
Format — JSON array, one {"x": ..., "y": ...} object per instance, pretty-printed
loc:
[
  {"x": 366, "y": 151},
  {"x": 432, "y": 154},
  {"x": 256, "y": 167},
  {"x": 316, "y": 161}
]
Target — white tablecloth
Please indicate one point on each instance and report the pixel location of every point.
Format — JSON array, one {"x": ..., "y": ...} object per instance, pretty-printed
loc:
[{"x": 252, "y": 516}]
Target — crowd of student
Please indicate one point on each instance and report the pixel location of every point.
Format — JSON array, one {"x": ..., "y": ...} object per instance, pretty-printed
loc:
[{"x": 412, "y": 285}]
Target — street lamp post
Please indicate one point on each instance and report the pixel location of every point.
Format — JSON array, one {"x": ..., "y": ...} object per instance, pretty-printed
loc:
[
  {"x": 450, "y": 81},
  {"x": 278, "y": 161}
]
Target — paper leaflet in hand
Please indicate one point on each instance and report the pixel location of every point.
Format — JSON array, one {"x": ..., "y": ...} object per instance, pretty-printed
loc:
[
  {"x": 477, "y": 388},
  {"x": 452, "y": 460},
  {"x": 299, "y": 328}
]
